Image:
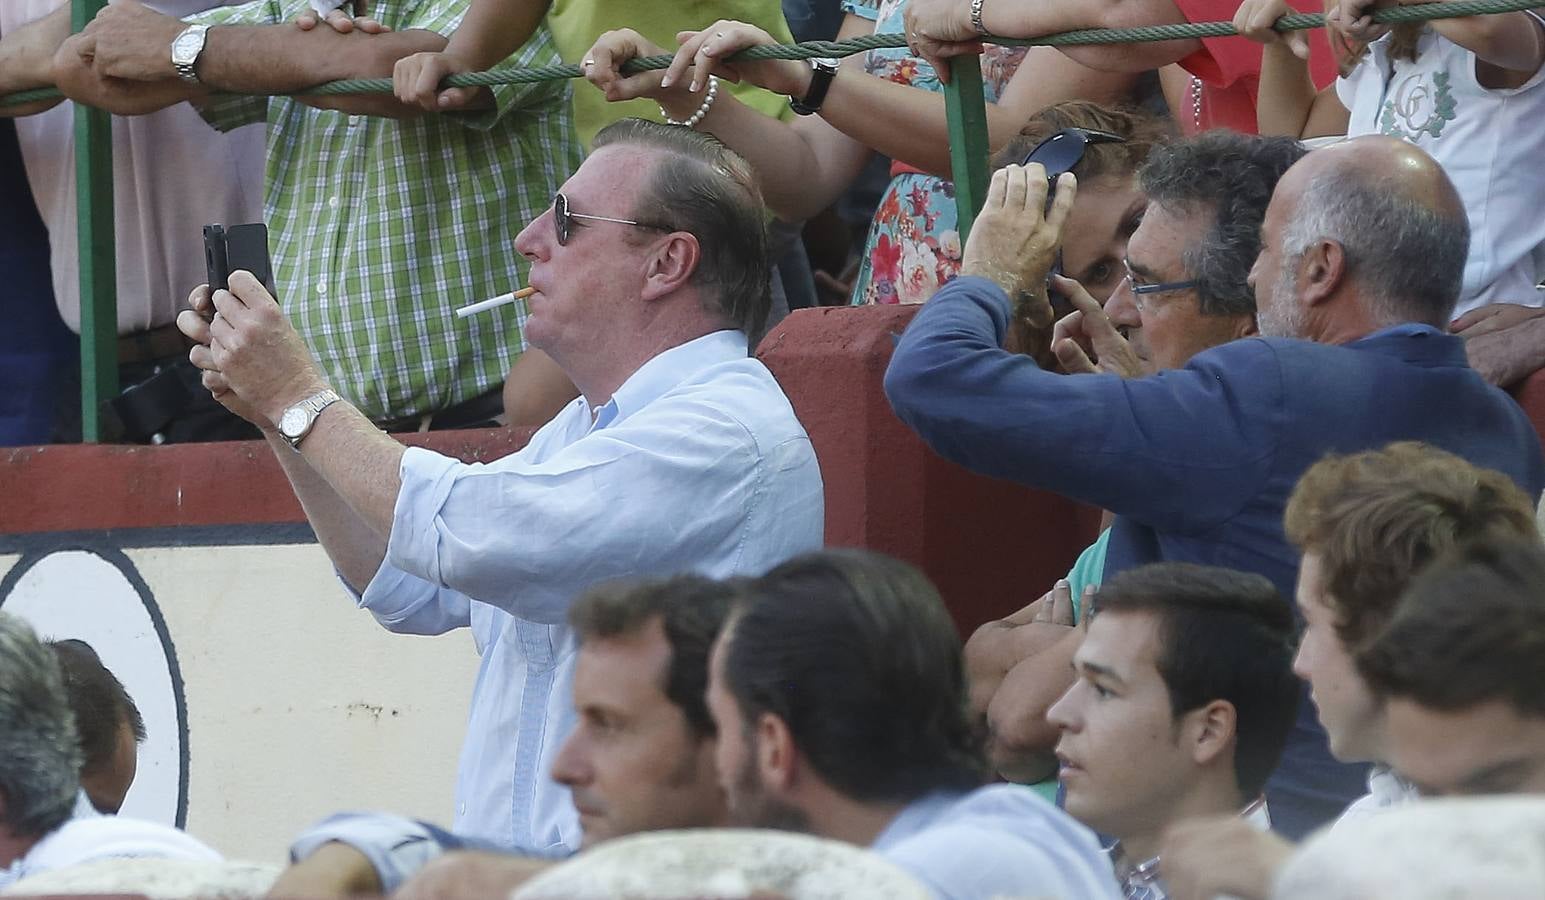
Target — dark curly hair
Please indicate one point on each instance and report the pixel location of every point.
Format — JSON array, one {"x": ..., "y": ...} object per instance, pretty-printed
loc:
[{"x": 1232, "y": 176}]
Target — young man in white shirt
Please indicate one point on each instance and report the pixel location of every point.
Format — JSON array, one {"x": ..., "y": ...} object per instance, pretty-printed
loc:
[{"x": 1366, "y": 524}]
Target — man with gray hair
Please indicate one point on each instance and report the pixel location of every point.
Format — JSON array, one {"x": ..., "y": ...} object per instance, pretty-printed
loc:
[
  {"x": 1197, "y": 463},
  {"x": 45, "y": 822}
]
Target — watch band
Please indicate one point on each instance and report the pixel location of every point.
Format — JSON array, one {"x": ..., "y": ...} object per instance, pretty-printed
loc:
[
  {"x": 184, "y": 61},
  {"x": 976, "y": 18},
  {"x": 822, "y": 71},
  {"x": 311, "y": 407}
]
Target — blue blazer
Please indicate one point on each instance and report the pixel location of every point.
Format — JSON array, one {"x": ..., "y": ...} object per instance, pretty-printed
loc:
[{"x": 1198, "y": 462}]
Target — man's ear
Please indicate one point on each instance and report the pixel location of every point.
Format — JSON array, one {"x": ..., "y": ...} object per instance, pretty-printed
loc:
[
  {"x": 671, "y": 265},
  {"x": 775, "y": 752},
  {"x": 1245, "y": 326},
  {"x": 1322, "y": 272},
  {"x": 1211, "y": 732}
]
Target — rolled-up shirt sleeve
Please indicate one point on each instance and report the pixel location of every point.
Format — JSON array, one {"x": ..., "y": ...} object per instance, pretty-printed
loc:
[{"x": 519, "y": 533}]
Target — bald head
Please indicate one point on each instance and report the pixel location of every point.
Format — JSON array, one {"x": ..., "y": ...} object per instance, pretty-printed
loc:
[
  {"x": 1401, "y": 169},
  {"x": 1396, "y": 218}
]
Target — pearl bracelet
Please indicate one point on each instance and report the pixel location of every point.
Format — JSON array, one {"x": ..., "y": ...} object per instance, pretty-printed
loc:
[{"x": 692, "y": 120}]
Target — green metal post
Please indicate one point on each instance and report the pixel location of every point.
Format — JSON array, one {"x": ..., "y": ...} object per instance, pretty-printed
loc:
[
  {"x": 966, "y": 108},
  {"x": 98, "y": 274}
]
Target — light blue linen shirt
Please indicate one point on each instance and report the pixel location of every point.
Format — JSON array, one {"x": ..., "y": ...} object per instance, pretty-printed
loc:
[
  {"x": 997, "y": 841},
  {"x": 696, "y": 463}
]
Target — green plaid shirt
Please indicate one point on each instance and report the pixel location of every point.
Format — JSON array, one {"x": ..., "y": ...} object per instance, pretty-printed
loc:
[{"x": 380, "y": 228}]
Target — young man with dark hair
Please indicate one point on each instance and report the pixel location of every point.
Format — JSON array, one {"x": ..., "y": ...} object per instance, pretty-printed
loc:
[
  {"x": 1183, "y": 703},
  {"x": 109, "y": 724},
  {"x": 840, "y": 700},
  {"x": 641, "y": 757},
  {"x": 1460, "y": 667},
  {"x": 1366, "y": 523}
]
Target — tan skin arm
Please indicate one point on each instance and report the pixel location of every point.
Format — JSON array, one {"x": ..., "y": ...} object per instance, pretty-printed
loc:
[
  {"x": 122, "y": 61},
  {"x": 806, "y": 163},
  {"x": 26, "y": 60}
]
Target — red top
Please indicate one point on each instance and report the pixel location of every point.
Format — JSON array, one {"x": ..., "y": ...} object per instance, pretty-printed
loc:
[{"x": 1230, "y": 69}]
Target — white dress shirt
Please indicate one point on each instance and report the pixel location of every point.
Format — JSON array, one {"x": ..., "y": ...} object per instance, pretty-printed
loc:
[
  {"x": 696, "y": 463},
  {"x": 997, "y": 841}
]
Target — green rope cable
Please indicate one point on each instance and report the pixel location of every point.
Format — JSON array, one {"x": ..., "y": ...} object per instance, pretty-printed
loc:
[{"x": 812, "y": 49}]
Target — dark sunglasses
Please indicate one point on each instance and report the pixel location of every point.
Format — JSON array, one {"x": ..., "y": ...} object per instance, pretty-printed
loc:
[
  {"x": 563, "y": 219},
  {"x": 1058, "y": 154},
  {"x": 1065, "y": 149}
]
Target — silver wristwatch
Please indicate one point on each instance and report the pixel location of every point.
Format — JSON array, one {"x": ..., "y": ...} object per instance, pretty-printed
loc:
[
  {"x": 297, "y": 420},
  {"x": 186, "y": 48}
]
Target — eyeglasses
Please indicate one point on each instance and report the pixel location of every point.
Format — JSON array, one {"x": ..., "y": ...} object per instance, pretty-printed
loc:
[
  {"x": 1140, "y": 290},
  {"x": 563, "y": 219}
]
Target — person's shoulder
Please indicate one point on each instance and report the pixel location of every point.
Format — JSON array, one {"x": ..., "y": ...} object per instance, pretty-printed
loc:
[{"x": 101, "y": 837}]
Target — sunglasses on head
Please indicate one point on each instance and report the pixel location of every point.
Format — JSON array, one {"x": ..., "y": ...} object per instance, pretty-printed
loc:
[
  {"x": 563, "y": 219},
  {"x": 1065, "y": 149},
  {"x": 1059, "y": 154}
]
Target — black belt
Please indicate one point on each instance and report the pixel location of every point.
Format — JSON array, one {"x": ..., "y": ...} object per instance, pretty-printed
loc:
[
  {"x": 481, "y": 411},
  {"x": 151, "y": 345}
]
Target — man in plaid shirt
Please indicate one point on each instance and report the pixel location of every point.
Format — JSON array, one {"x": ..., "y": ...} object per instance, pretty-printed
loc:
[{"x": 382, "y": 221}]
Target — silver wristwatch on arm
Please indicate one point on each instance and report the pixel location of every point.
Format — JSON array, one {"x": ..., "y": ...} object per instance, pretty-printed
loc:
[
  {"x": 186, "y": 48},
  {"x": 296, "y": 421}
]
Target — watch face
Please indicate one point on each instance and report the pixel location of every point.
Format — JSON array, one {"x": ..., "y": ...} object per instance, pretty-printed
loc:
[
  {"x": 185, "y": 45},
  {"x": 293, "y": 422}
]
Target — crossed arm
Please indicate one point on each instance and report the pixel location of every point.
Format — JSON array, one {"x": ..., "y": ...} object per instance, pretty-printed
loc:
[
  {"x": 26, "y": 56},
  {"x": 122, "y": 62}
]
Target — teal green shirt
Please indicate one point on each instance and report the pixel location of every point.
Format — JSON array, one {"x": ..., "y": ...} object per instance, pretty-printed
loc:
[{"x": 379, "y": 228}]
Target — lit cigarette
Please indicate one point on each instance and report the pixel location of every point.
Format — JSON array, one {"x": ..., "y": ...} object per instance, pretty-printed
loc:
[{"x": 491, "y": 302}]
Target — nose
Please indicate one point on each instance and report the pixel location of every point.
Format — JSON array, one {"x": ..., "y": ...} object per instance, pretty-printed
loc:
[
  {"x": 1121, "y": 306},
  {"x": 1062, "y": 713},
  {"x": 530, "y": 243},
  {"x": 1301, "y": 660},
  {"x": 571, "y": 767}
]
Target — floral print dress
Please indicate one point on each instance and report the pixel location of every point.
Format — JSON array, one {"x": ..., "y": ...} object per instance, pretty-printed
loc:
[{"x": 913, "y": 245}]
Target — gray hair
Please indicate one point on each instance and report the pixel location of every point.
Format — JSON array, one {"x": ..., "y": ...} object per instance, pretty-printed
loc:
[
  {"x": 1407, "y": 259},
  {"x": 40, "y": 756},
  {"x": 1229, "y": 176}
]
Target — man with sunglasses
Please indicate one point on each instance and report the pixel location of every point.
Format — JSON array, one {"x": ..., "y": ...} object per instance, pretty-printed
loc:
[
  {"x": 681, "y": 452},
  {"x": 1362, "y": 247}
]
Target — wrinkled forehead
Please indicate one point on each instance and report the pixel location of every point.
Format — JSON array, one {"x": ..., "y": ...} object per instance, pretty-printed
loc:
[{"x": 614, "y": 174}]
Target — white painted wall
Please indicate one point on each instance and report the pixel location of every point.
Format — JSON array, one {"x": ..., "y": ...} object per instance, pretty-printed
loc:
[{"x": 299, "y": 705}]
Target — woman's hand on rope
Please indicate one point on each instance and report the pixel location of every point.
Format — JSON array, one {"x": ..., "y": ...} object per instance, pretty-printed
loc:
[
  {"x": 705, "y": 53},
  {"x": 603, "y": 66},
  {"x": 939, "y": 29},
  {"x": 1254, "y": 19}
]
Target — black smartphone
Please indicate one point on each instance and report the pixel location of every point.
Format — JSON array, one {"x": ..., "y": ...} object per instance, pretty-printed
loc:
[{"x": 239, "y": 247}]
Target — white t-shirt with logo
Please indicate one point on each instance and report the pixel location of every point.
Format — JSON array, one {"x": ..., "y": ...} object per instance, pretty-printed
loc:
[{"x": 1488, "y": 140}]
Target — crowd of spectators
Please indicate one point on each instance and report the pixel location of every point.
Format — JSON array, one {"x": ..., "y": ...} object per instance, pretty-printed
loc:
[{"x": 1259, "y": 313}]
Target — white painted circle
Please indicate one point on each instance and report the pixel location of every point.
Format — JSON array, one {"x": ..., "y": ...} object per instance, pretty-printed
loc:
[{"x": 78, "y": 594}]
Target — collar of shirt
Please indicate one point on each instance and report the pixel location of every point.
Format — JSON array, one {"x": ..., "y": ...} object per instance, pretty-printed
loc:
[
  {"x": 918, "y": 815},
  {"x": 665, "y": 371},
  {"x": 1388, "y": 788},
  {"x": 1144, "y": 881},
  {"x": 1419, "y": 345}
]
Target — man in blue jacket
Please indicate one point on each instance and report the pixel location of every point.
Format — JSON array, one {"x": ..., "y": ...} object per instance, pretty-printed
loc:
[{"x": 1363, "y": 249}]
